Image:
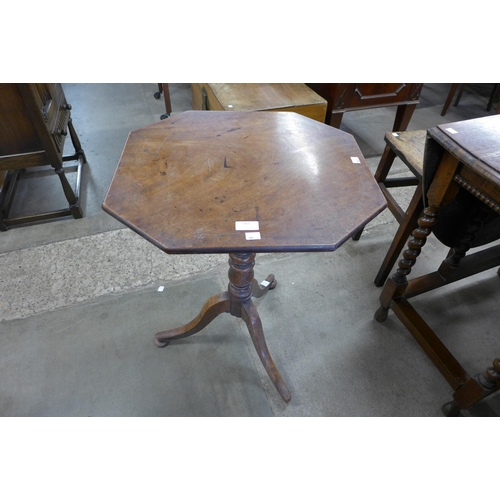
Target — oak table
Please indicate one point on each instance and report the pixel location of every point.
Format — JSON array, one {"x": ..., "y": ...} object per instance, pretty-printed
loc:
[
  {"x": 242, "y": 183},
  {"x": 467, "y": 157}
]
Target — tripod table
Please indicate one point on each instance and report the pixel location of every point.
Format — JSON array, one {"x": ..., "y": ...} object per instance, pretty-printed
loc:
[{"x": 242, "y": 183}]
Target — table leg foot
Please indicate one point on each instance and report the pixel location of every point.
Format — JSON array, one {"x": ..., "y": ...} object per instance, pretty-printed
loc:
[
  {"x": 251, "y": 318},
  {"x": 381, "y": 314},
  {"x": 451, "y": 409},
  {"x": 214, "y": 306},
  {"x": 259, "y": 290},
  {"x": 160, "y": 344}
]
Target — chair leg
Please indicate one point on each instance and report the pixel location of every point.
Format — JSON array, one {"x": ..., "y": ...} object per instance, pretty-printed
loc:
[
  {"x": 495, "y": 93},
  {"x": 403, "y": 117},
  {"x": 384, "y": 165},
  {"x": 407, "y": 225},
  {"x": 459, "y": 95},
  {"x": 451, "y": 93},
  {"x": 158, "y": 94},
  {"x": 168, "y": 104},
  {"x": 166, "y": 96}
]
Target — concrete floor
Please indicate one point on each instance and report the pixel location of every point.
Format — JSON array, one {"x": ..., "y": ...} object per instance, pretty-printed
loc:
[{"x": 80, "y": 301}]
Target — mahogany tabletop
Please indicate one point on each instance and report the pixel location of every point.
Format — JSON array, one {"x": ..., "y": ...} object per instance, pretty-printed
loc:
[
  {"x": 476, "y": 144},
  {"x": 480, "y": 137},
  {"x": 222, "y": 182}
]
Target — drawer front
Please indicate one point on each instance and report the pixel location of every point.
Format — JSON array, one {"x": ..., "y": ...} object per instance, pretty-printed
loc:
[
  {"x": 54, "y": 111},
  {"x": 60, "y": 130},
  {"x": 44, "y": 96},
  {"x": 365, "y": 95}
]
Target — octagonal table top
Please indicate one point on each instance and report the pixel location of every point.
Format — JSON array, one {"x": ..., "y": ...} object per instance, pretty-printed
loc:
[{"x": 221, "y": 182}]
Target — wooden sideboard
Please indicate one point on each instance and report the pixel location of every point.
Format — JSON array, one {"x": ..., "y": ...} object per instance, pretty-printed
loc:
[
  {"x": 342, "y": 97},
  {"x": 35, "y": 119}
]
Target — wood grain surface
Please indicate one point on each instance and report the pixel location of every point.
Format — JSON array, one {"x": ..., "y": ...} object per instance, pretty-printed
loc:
[{"x": 182, "y": 183}]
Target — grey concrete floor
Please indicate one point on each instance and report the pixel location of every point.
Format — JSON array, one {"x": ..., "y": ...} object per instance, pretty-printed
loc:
[{"x": 80, "y": 301}]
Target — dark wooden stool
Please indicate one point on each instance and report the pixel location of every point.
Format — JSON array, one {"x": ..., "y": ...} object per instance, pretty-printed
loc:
[{"x": 409, "y": 147}]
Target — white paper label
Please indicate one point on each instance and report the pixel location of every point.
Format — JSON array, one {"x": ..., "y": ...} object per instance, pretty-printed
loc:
[
  {"x": 355, "y": 159},
  {"x": 452, "y": 130},
  {"x": 265, "y": 283},
  {"x": 252, "y": 236},
  {"x": 395, "y": 134},
  {"x": 247, "y": 225},
  {"x": 161, "y": 288}
]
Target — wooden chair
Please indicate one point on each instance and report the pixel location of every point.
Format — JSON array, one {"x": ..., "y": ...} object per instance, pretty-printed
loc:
[
  {"x": 460, "y": 219},
  {"x": 408, "y": 147},
  {"x": 494, "y": 97}
]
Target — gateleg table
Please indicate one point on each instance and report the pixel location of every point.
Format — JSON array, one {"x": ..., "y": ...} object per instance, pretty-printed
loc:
[
  {"x": 242, "y": 183},
  {"x": 467, "y": 157}
]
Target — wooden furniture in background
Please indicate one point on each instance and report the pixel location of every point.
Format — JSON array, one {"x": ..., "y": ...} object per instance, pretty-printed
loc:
[
  {"x": 342, "y": 97},
  {"x": 34, "y": 122},
  {"x": 494, "y": 97},
  {"x": 451, "y": 93},
  {"x": 163, "y": 89},
  {"x": 409, "y": 147},
  {"x": 295, "y": 97},
  {"x": 461, "y": 187},
  {"x": 242, "y": 183}
]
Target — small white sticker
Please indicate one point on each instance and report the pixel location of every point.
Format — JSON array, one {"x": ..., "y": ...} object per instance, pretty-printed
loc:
[
  {"x": 229, "y": 105},
  {"x": 264, "y": 283},
  {"x": 452, "y": 130},
  {"x": 252, "y": 236},
  {"x": 161, "y": 288},
  {"x": 246, "y": 225},
  {"x": 355, "y": 159},
  {"x": 395, "y": 134}
]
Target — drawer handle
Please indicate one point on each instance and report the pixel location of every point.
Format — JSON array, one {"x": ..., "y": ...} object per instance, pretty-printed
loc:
[
  {"x": 67, "y": 107},
  {"x": 45, "y": 110}
]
